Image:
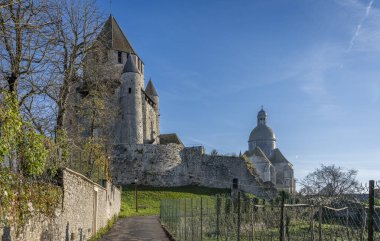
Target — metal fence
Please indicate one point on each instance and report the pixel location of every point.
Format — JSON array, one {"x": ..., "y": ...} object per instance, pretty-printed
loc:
[{"x": 350, "y": 217}]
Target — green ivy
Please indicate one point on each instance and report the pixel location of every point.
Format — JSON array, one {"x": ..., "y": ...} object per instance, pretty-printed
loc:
[
  {"x": 10, "y": 127},
  {"x": 27, "y": 153},
  {"x": 20, "y": 143}
]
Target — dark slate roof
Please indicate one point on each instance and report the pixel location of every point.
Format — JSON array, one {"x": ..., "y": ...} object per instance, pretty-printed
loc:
[
  {"x": 150, "y": 90},
  {"x": 113, "y": 37},
  {"x": 170, "y": 138},
  {"x": 277, "y": 157},
  {"x": 130, "y": 65}
]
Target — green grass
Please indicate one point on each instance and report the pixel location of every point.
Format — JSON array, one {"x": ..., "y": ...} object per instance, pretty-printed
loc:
[
  {"x": 104, "y": 230},
  {"x": 150, "y": 197}
]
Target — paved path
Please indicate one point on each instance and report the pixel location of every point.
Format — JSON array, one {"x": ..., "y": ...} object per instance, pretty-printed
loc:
[{"x": 145, "y": 228}]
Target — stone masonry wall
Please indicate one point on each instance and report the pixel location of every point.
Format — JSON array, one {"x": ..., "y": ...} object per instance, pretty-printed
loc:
[
  {"x": 175, "y": 165},
  {"x": 85, "y": 208}
]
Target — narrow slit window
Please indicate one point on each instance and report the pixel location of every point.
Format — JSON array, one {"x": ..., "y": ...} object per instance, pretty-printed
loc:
[
  {"x": 119, "y": 60},
  {"x": 129, "y": 90}
]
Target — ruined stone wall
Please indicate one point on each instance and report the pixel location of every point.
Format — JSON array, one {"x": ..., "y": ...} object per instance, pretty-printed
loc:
[
  {"x": 85, "y": 208},
  {"x": 156, "y": 165},
  {"x": 174, "y": 165}
]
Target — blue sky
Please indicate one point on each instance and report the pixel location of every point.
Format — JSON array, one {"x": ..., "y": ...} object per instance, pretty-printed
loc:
[{"x": 314, "y": 65}]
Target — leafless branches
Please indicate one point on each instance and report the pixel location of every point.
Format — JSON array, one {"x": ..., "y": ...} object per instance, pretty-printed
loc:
[
  {"x": 330, "y": 181},
  {"x": 25, "y": 41},
  {"x": 52, "y": 60}
]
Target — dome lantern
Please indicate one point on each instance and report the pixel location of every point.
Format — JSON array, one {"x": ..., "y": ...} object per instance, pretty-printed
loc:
[{"x": 262, "y": 117}]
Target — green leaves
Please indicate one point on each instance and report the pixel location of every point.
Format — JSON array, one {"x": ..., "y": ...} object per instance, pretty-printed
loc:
[
  {"x": 10, "y": 126},
  {"x": 20, "y": 144},
  {"x": 32, "y": 152}
]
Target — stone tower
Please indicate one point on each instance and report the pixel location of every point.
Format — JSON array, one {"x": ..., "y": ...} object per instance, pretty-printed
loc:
[
  {"x": 262, "y": 135},
  {"x": 130, "y": 129},
  {"x": 137, "y": 119}
]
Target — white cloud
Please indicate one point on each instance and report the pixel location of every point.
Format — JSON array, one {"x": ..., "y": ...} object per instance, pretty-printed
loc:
[
  {"x": 311, "y": 69},
  {"x": 367, "y": 32}
]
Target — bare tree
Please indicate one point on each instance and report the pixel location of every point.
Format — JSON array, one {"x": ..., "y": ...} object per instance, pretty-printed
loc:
[
  {"x": 52, "y": 59},
  {"x": 25, "y": 40},
  {"x": 330, "y": 181},
  {"x": 77, "y": 26},
  {"x": 93, "y": 116}
]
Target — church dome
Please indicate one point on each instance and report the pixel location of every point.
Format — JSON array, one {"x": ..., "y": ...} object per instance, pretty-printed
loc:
[{"x": 262, "y": 133}]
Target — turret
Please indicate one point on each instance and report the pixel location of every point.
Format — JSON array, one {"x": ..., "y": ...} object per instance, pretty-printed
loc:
[
  {"x": 131, "y": 117},
  {"x": 152, "y": 93}
]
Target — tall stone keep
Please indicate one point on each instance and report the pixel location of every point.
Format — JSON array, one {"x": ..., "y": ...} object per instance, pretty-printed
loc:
[{"x": 137, "y": 117}]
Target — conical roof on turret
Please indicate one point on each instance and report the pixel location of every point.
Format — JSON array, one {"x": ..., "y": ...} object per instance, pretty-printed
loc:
[
  {"x": 150, "y": 89},
  {"x": 130, "y": 65},
  {"x": 114, "y": 38}
]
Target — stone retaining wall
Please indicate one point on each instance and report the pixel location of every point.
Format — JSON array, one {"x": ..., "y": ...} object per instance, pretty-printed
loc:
[{"x": 85, "y": 208}]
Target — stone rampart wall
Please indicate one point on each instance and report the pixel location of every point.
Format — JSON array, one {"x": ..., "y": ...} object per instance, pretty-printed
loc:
[
  {"x": 175, "y": 165},
  {"x": 85, "y": 208}
]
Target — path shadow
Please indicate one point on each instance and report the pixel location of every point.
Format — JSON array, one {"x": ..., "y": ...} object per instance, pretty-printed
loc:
[{"x": 6, "y": 234}]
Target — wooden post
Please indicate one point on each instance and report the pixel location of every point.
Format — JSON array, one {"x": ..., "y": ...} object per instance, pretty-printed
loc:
[
  {"x": 239, "y": 216},
  {"x": 252, "y": 220},
  {"x": 136, "y": 197},
  {"x": 371, "y": 209},
  {"x": 312, "y": 226},
  {"x": 218, "y": 206},
  {"x": 201, "y": 218},
  {"x": 185, "y": 220},
  {"x": 320, "y": 223},
  {"x": 192, "y": 220},
  {"x": 282, "y": 214}
]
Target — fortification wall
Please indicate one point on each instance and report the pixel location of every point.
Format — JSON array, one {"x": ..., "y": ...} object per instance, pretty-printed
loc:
[
  {"x": 156, "y": 165},
  {"x": 174, "y": 165},
  {"x": 85, "y": 208}
]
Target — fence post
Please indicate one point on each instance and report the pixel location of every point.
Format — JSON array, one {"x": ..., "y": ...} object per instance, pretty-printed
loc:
[
  {"x": 166, "y": 212},
  {"x": 178, "y": 215},
  {"x": 252, "y": 227},
  {"x": 218, "y": 205},
  {"x": 282, "y": 214},
  {"x": 201, "y": 218},
  {"x": 161, "y": 210},
  {"x": 312, "y": 225},
  {"x": 185, "y": 220},
  {"x": 320, "y": 223},
  {"x": 239, "y": 216},
  {"x": 364, "y": 222},
  {"x": 192, "y": 220},
  {"x": 371, "y": 209}
]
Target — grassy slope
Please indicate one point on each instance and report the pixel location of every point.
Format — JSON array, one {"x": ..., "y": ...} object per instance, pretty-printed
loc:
[{"x": 151, "y": 196}]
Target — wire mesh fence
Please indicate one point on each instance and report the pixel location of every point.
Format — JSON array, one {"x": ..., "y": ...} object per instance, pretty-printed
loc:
[{"x": 349, "y": 217}]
